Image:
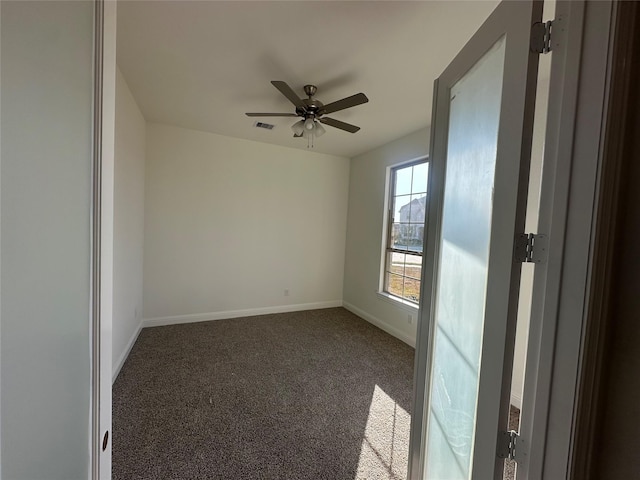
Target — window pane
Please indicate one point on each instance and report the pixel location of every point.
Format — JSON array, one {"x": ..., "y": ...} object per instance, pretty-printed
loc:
[
  {"x": 402, "y": 208},
  {"x": 413, "y": 236},
  {"x": 418, "y": 207},
  {"x": 394, "y": 284},
  {"x": 395, "y": 262},
  {"x": 403, "y": 181},
  {"x": 410, "y": 236},
  {"x": 412, "y": 289},
  {"x": 399, "y": 236},
  {"x": 413, "y": 266},
  {"x": 420, "y": 175}
]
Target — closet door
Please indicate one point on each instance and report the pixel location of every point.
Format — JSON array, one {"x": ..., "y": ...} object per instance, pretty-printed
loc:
[{"x": 46, "y": 135}]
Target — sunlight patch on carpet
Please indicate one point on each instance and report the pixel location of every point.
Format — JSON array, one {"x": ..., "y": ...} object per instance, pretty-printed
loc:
[{"x": 385, "y": 446}]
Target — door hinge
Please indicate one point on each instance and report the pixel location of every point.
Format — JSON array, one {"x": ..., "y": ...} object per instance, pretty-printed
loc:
[
  {"x": 507, "y": 445},
  {"x": 541, "y": 36},
  {"x": 530, "y": 248}
]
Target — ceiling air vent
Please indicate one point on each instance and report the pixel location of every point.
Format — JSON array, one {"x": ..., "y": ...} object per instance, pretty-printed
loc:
[{"x": 268, "y": 126}]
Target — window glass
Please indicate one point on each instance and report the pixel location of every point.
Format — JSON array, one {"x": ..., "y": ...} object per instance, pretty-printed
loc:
[
  {"x": 403, "y": 181},
  {"x": 405, "y": 238},
  {"x": 419, "y": 179}
]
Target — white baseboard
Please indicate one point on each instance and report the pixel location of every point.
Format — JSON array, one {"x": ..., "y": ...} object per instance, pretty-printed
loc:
[
  {"x": 204, "y": 317},
  {"x": 125, "y": 353},
  {"x": 391, "y": 330}
]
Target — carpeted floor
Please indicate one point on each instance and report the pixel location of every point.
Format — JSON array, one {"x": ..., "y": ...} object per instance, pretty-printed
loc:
[
  {"x": 306, "y": 395},
  {"x": 319, "y": 394},
  {"x": 510, "y": 465}
]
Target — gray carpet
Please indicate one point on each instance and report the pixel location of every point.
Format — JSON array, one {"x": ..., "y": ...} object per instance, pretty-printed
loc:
[
  {"x": 514, "y": 423},
  {"x": 307, "y": 395}
]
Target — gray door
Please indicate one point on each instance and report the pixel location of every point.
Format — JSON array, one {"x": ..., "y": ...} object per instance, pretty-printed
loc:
[{"x": 480, "y": 151}]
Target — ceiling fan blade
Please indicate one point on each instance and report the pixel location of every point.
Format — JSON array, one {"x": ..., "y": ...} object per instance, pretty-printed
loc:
[
  {"x": 271, "y": 115},
  {"x": 338, "y": 124},
  {"x": 297, "y": 136},
  {"x": 352, "y": 101},
  {"x": 288, "y": 92}
]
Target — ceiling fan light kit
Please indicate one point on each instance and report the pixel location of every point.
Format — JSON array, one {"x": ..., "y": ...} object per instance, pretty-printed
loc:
[
  {"x": 312, "y": 112},
  {"x": 298, "y": 128},
  {"x": 309, "y": 123}
]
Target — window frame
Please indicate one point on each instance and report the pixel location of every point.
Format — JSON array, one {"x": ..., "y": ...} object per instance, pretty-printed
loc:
[{"x": 387, "y": 233}]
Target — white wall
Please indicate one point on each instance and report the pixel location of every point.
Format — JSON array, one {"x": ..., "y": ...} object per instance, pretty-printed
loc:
[
  {"x": 365, "y": 235},
  {"x": 230, "y": 224},
  {"x": 130, "y": 147},
  {"x": 47, "y": 87}
]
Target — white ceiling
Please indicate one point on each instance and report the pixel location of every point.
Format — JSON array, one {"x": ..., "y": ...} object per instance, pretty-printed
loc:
[{"x": 203, "y": 64}]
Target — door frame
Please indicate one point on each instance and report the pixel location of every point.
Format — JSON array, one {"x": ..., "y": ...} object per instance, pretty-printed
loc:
[
  {"x": 102, "y": 237},
  {"x": 599, "y": 329},
  {"x": 572, "y": 163},
  {"x": 96, "y": 237},
  {"x": 583, "y": 40}
]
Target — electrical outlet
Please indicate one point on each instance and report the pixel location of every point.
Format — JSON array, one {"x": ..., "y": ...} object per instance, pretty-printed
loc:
[
  {"x": 286, "y": 292},
  {"x": 135, "y": 313},
  {"x": 410, "y": 319}
]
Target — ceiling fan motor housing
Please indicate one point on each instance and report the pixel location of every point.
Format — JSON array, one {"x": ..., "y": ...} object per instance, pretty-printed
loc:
[
  {"x": 310, "y": 90},
  {"x": 312, "y": 108}
]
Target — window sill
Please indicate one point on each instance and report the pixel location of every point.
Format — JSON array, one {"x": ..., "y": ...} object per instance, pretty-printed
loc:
[{"x": 398, "y": 302}]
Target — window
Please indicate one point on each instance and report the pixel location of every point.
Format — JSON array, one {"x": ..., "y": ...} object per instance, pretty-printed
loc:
[{"x": 407, "y": 205}]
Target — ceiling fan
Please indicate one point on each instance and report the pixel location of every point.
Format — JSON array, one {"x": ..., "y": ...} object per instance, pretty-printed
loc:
[{"x": 312, "y": 111}]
